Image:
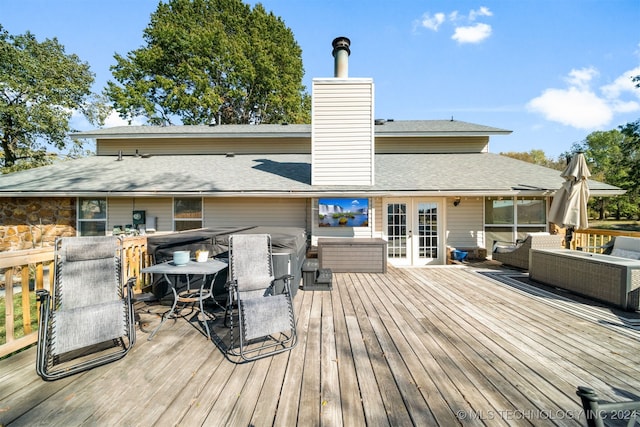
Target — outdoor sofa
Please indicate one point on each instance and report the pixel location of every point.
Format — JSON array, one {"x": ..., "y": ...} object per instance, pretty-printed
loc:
[
  {"x": 614, "y": 279},
  {"x": 517, "y": 254}
]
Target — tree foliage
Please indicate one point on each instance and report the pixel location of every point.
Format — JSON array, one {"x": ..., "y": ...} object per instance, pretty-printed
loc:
[
  {"x": 212, "y": 61},
  {"x": 614, "y": 158},
  {"x": 631, "y": 154},
  {"x": 537, "y": 157},
  {"x": 40, "y": 87},
  {"x": 603, "y": 151}
]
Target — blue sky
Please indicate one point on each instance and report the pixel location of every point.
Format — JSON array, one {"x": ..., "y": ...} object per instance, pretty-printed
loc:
[{"x": 552, "y": 71}]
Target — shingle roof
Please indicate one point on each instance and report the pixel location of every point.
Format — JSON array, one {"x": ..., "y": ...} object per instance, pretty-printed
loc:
[
  {"x": 284, "y": 174},
  {"x": 388, "y": 128}
]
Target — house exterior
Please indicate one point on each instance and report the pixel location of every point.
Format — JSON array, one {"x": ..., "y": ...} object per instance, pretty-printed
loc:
[{"x": 422, "y": 185}]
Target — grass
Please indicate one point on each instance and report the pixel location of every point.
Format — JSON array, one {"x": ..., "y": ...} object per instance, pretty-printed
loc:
[
  {"x": 18, "y": 317},
  {"x": 617, "y": 225}
]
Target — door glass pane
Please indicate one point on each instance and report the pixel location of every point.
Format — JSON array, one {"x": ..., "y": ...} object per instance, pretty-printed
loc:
[
  {"x": 428, "y": 230},
  {"x": 397, "y": 230}
]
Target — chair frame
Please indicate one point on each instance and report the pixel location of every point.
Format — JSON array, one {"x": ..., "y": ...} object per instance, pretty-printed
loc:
[
  {"x": 596, "y": 411},
  {"x": 51, "y": 366},
  {"x": 288, "y": 342}
]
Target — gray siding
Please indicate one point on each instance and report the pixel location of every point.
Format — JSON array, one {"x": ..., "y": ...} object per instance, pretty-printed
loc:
[
  {"x": 230, "y": 212},
  {"x": 465, "y": 228},
  {"x": 120, "y": 211},
  {"x": 428, "y": 145},
  {"x": 162, "y": 146}
]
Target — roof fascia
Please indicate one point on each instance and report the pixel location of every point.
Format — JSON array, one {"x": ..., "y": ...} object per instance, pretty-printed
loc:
[
  {"x": 185, "y": 135},
  {"x": 306, "y": 194}
]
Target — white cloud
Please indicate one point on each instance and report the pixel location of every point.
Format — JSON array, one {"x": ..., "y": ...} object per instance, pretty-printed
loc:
[
  {"x": 625, "y": 107},
  {"x": 466, "y": 30},
  {"x": 581, "y": 78},
  {"x": 80, "y": 123},
  {"x": 622, "y": 84},
  {"x": 473, "y": 34},
  {"x": 579, "y": 106},
  {"x": 114, "y": 120},
  {"x": 483, "y": 11},
  {"x": 572, "y": 107},
  {"x": 432, "y": 22}
]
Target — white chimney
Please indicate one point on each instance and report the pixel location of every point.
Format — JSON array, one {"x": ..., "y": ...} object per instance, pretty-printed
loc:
[{"x": 342, "y": 125}]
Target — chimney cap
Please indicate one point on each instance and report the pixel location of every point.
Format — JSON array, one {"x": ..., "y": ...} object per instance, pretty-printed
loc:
[{"x": 340, "y": 43}]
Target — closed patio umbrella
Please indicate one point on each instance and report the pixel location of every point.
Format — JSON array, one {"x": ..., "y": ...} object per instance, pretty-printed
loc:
[{"x": 569, "y": 206}]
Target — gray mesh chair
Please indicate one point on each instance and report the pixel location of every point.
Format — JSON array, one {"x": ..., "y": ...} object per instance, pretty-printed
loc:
[
  {"x": 87, "y": 319},
  {"x": 599, "y": 413},
  {"x": 266, "y": 320}
]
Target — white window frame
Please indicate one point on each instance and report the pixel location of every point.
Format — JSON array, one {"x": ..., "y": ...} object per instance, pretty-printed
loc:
[
  {"x": 199, "y": 219},
  {"x": 79, "y": 216}
]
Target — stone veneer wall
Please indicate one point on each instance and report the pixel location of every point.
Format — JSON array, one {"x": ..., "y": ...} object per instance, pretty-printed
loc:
[{"x": 34, "y": 222}]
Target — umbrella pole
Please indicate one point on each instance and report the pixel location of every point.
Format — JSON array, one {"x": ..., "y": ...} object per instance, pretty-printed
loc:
[{"x": 568, "y": 237}]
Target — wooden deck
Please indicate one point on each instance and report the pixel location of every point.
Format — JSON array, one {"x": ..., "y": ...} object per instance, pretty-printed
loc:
[{"x": 417, "y": 346}]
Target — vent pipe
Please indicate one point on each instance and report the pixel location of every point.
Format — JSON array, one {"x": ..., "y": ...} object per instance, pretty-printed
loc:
[{"x": 341, "y": 54}]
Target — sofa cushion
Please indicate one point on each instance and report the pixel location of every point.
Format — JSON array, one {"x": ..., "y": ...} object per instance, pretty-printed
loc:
[
  {"x": 627, "y": 243},
  {"x": 624, "y": 253}
]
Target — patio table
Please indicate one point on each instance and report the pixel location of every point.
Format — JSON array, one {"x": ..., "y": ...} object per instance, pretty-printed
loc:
[{"x": 168, "y": 269}]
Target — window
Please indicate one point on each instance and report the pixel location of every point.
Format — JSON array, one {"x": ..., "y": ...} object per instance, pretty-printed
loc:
[
  {"x": 92, "y": 216},
  {"x": 187, "y": 213},
  {"x": 509, "y": 219}
]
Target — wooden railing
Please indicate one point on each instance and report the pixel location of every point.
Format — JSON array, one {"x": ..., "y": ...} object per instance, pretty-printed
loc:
[
  {"x": 31, "y": 270},
  {"x": 592, "y": 239}
]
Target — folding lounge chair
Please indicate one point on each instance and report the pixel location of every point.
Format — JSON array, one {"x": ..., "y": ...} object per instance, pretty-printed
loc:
[
  {"x": 599, "y": 413},
  {"x": 267, "y": 322},
  {"x": 87, "y": 320}
]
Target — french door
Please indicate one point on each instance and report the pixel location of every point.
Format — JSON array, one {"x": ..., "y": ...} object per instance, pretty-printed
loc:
[{"x": 413, "y": 229}]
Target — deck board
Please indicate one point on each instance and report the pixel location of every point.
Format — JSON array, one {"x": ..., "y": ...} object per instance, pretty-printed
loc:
[
  {"x": 416, "y": 346},
  {"x": 351, "y": 404}
]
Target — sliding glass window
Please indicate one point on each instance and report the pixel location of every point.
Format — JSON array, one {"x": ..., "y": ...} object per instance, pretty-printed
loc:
[
  {"x": 187, "y": 213},
  {"x": 92, "y": 216},
  {"x": 508, "y": 219}
]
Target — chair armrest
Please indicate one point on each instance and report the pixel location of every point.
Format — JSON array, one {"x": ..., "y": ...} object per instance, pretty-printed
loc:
[
  {"x": 283, "y": 277},
  {"x": 503, "y": 244},
  {"x": 129, "y": 285},
  {"x": 42, "y": 294}
]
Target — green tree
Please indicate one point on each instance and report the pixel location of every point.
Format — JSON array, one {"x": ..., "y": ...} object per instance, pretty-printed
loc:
[
  {"x": 537, "y": 157},
  {"x": 40, "y": 87},
  {"x": 212, "y": 61},
  {"x": 631, "y": 155},
  {"x": 603, "y": 151}
]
